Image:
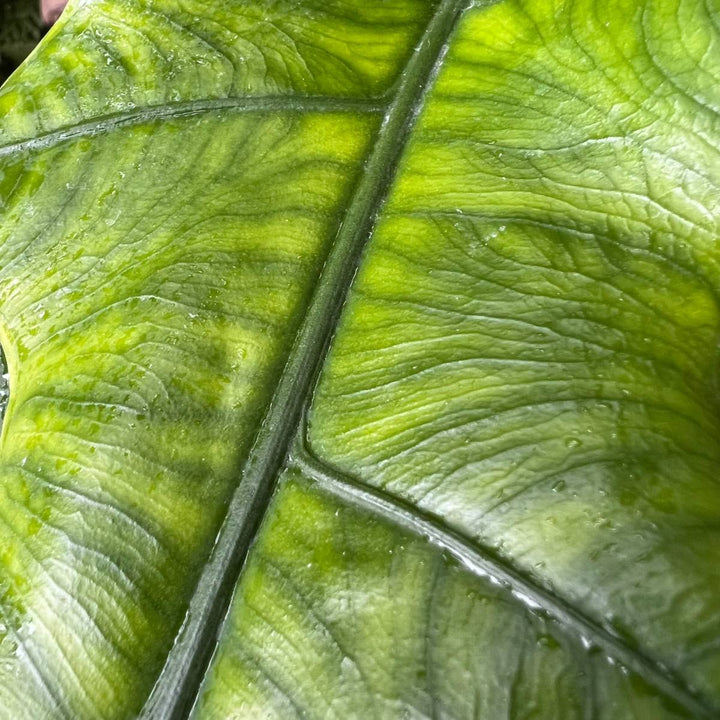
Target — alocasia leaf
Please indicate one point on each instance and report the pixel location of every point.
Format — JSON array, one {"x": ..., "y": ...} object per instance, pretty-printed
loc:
[{"x": 496, "y": 494}]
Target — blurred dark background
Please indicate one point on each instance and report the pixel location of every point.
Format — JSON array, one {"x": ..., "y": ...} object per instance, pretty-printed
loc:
[{"x": 20, "y": 31}]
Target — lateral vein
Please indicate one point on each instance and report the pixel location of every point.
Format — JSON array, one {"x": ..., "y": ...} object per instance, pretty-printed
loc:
[
  {"x": 262, "y": 104},
  {"x": 484, "y": 563}
]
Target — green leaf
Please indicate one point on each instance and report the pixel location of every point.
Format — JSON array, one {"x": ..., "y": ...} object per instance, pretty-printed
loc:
[{"x": 495, "y": 493}]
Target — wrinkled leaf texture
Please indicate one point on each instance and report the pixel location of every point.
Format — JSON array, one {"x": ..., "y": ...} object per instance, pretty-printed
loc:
[{"x": 363, "y": 361}]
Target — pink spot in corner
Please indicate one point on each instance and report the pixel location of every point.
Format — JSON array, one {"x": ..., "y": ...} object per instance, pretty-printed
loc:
[{"x": 51, "y": 10}]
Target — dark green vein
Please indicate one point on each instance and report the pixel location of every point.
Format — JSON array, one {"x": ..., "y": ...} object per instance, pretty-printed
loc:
[
  {"x": 263, "y": 104},
  {"x": 178, "y": 684},
  {"x": 483, "y": 562}
]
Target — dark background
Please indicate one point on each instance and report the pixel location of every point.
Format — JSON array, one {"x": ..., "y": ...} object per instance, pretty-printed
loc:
[{"x": 20, "y": 30}]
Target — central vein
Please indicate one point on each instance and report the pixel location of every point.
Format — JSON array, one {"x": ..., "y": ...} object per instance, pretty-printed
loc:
[{"x": 177, "y": 686}]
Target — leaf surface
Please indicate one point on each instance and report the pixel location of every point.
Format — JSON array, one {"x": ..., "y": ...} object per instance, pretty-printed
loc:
[
  {"x": 544, "y": 378},
  {"x": 501, "y": 497},
  {"x": 344, "y": 614}
]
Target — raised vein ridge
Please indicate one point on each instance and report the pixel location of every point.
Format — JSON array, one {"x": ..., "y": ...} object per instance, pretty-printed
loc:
[
  {"x": 187, "y": 661},
  {"x": 268, "y": 103}
]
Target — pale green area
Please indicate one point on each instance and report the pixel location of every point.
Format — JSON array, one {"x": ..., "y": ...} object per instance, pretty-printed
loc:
[
  {"x": 343, "y": 615},
  {"x": 530, "y": 349},
  {"x": 145, "y": 319}
]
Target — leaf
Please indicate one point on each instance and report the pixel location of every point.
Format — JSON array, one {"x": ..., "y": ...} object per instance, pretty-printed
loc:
[{"x": 495, "y": 495}]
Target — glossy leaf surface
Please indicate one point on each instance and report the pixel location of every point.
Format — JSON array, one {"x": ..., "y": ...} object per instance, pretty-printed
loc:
[
  {"x": 502, "y": 494},
  {"x": 143, "y": 334},
  {"x": 341, "y": 614}
]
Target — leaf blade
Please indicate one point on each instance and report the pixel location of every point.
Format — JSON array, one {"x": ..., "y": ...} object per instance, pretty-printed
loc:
[
  {"x": 141, "y": 362},
  {"x": 342, "y": 612},
  {"x": 105, "y": 58},
  {"x": 513, "y": 358},
  {"x": 564, "y": 243}
]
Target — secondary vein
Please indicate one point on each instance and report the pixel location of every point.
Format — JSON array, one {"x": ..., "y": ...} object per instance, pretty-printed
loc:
[
  {"x": 485, "y": 563},
  {"x": 262, "y": 104}
]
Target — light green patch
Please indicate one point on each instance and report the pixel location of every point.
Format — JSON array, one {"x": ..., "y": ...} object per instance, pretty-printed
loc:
[{"x": 146, "y": 319}]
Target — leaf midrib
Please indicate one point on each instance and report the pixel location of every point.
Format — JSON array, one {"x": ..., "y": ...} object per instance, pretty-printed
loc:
[{"x": 179, "y": 682}]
